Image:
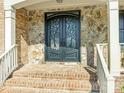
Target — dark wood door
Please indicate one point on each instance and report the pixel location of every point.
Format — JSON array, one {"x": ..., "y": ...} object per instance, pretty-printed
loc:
[{"x": 62, "y": 37}]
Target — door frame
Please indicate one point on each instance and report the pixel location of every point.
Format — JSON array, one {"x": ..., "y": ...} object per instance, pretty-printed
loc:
[{"x": 45, "y": 32}]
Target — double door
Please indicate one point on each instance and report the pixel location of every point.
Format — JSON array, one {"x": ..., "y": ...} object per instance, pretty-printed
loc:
[{"x": 62, "y": 38}]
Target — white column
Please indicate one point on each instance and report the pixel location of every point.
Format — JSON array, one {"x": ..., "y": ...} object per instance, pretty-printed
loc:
[
  {"x": 9, "y": 27},
  {"x": 114, "y": 47}
]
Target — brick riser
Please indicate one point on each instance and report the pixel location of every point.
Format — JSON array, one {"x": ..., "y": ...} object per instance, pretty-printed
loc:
[
  {"x": 53, "y": 84},
  {"x": 36, "y": 90},
  {"x": 59, "y": 75}
]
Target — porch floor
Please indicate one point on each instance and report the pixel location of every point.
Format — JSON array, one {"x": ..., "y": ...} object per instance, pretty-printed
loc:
[{"x": 52, "y": 78}]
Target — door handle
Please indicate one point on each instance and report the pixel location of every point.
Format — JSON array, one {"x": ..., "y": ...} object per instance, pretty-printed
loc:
[{"x": 62, "y": 44}]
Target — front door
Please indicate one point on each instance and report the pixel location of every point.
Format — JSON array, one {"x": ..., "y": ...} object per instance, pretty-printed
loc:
[{"x": 63, "y": 36}]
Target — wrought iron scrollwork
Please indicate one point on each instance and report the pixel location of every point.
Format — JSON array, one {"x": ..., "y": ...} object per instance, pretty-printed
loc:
[
  {"x": 71, "y": 28},
  {"x": 62, "y": 37}
]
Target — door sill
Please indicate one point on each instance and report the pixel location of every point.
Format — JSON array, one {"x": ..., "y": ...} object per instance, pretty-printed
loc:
[
  {"x": 71, "y": 63},
  {"x": 62, "y": 63}
]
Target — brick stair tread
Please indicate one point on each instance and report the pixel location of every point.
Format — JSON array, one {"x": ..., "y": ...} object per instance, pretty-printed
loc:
[
  {"x": 60, "y": 72},
  {"x": 38, "y": 90},
  {"x": 52, "y": 68},
  {"x": 84, "y": 85}
]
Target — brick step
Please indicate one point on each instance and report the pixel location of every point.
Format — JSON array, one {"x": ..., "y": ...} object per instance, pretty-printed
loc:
[
  {"x": 56, "y": 75},
  {"x": 80, "y": 85},
  {"x": 119, "y": 83},
  {"x": 60, "y": 72},
  {"x": 37, "y": 90}
]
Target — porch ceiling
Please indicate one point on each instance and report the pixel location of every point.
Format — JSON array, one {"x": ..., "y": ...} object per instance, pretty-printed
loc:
[
  {"x": 42, "y": 4},
  {"x": 66, "y": 3}
]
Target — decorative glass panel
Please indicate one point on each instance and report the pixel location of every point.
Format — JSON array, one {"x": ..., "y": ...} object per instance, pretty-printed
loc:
[
  {"x": 121, "y": 27},
  {"x": 54, "y": 37},
  {"x": 71, "y": 28}
]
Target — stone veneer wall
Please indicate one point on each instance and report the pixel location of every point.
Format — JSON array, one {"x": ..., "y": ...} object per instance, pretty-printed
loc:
[
  {"x": 30, "y": 32},
  {"x": 22, "y": 35},
  {"x": 93, "y": 30},
  {"x": 36, "y": 36},
  {"x": 1, "y": 27}
]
